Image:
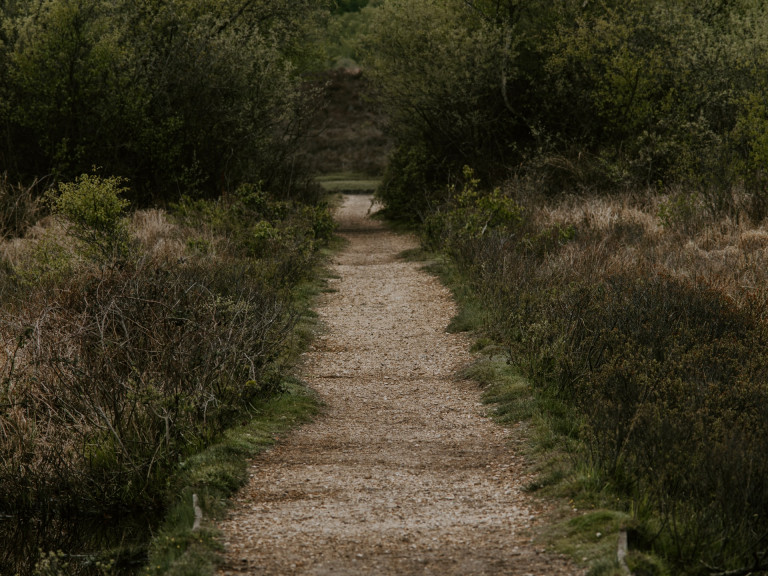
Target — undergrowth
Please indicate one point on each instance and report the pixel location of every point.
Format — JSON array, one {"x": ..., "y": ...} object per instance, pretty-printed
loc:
[
  {"x": 634, "y": 348},
  {"x": 133, "y": 341}
]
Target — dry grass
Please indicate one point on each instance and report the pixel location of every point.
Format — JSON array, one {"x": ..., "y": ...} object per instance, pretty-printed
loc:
[
  {"x": 645, "y": 316},
  {"x": 619, "y": 232},
  {"x": 110, "y": 371}
]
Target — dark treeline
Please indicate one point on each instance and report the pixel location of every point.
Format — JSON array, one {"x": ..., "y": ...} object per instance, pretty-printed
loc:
[{"x": 178, "y": 97}]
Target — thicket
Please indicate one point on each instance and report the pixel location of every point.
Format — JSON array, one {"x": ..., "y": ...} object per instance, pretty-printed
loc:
[
  {"x": 651, "y": 340},
  {"x": 611, "y": 227},
  {"x": 582, "y": 96},
  {"x": 132, "y": 340},
  {"x": 178, "y": 97}
]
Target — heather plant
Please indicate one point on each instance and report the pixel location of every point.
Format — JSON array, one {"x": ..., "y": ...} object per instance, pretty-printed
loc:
[
  {"x": 655, "y": 372},
  {"x": 151, "y": 365},
  {"x": 115, "y": 371}
]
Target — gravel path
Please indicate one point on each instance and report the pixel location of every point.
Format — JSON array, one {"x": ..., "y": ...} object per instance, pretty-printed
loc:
[{"x": 402, "y": 474}]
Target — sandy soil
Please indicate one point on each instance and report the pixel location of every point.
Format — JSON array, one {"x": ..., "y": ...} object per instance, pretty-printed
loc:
[{"x": 402, "y": 474}]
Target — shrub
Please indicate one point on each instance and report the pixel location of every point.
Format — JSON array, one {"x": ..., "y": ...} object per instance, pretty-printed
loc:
[
  {"x": 95, "y": 210},
  {"x": 173, "y": 97},
  {"x": 469, "y": 214},
  {"x": 113, "y": 373}
]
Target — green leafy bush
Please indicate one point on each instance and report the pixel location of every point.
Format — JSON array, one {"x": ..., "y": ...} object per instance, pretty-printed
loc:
[
  {"x": 470, "y": 213},
  {"x": 176, "y": 97},
  {"x": 95, "y": 209}
]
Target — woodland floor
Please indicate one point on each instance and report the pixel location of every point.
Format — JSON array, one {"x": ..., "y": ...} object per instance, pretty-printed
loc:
[{"x": 402, "y": 473}]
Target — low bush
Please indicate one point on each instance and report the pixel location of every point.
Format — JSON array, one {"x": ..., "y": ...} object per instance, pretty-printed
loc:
[
  {"x": 661, "y": 369},
  {"x": 131, "y": 342}
]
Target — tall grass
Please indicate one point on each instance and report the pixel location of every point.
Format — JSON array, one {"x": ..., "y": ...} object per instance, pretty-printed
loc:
[{"x": 19, "y": 207}]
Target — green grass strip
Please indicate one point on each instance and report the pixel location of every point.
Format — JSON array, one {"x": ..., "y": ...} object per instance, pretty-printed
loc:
[
  {"x": 214, "y": 475},
  {"x": 348, "y": 182}
]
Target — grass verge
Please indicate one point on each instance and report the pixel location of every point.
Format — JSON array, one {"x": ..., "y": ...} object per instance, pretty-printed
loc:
[
  {"x": 214, "y": 475},
  {"x": 348, "y": 183},
  {"x": 588, "y": 517}
]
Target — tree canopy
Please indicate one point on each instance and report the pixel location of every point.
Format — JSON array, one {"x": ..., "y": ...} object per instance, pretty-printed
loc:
[
  {"x": 173, "y": 95},
  {"x": 586, "y": 95}
]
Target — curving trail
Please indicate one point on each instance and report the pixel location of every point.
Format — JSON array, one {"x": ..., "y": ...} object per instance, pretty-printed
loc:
[{"x": 402, "y": 474}]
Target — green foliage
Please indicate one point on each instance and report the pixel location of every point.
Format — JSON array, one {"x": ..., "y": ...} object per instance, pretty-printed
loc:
[
  {"x": 177, "y": 97},
  {"x": 408, "y": 190},
  {"x": 260, "y": 226},
  {"x": 470, "y": 215},
  {"x": 579, "y": 96},
  {"x": 679, "y": 211},
  {"x": 47, "y": 264},
  {"x": 95, "y": 209},
  {"x": 352, "y": 21},
  {"x": 482, "y": 212},
  {"x": 343, "y": 6},
  {"x": 437, "y": 68}
]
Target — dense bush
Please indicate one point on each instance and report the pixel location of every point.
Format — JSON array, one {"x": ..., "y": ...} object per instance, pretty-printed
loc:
[
  {"x": 174, "y": 96},
  {"x": 129, "y": 345},
  {"x": 581, "y": 96},
  {"x": 439, "y": 70}
]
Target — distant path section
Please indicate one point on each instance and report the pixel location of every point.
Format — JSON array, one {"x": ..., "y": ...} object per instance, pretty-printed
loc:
[{"x": 401, "y": 474}]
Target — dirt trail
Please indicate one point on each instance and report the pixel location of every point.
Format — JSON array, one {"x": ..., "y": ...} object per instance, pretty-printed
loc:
[{"x": 402, "y": 474}]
